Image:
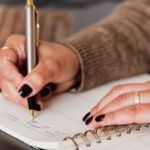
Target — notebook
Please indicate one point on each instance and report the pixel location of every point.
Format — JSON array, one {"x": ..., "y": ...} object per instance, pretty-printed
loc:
[{"x": 62, "y": 119}]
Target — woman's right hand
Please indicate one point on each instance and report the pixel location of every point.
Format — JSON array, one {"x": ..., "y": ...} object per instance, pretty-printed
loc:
[{"x": 57, "y": 64}]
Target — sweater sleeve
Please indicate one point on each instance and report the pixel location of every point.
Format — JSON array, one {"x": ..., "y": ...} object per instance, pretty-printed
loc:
[{"x": 116, "y": 47}]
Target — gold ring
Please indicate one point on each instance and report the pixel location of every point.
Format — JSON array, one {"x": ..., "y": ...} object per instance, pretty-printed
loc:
[
  {"x": 5, "y": 48},
  {"x": 137, "y": 98}
]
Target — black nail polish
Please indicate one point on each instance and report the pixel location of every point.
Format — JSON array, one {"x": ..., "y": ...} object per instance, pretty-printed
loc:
[
  {"x": 88, "y": 121},
  {"x": 31, "y": 102},
  {"x": 45, "y": 92},
  {"x": 25, "y": 91},
  {"x": 86, "y": 116},
  {"x": 100, "y": 118},
  {"x": 37, "y": 107},
  {"x": 53, "y": 87}
]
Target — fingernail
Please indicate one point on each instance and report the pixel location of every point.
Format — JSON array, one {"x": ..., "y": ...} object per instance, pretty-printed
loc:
[
  {"x": 88, "y": 121},
  {"x": 86, "y": 116},
  {"x": 45, "y": 92},
  {"x": 37, "y": 107},
  {"x": 25, "y": 91},
  {"x": 31, "y": 102},
  {"x": 100, "y": 118},
  {"x": 53, "y": 87}
]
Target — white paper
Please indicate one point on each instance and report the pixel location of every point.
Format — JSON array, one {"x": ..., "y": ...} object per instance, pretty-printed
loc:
[{"x": 62, "y": 116}]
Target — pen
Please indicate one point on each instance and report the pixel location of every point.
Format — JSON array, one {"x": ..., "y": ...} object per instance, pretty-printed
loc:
[{"x": 32, "y": 40}]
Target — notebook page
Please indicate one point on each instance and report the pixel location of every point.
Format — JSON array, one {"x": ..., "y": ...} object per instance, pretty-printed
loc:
[{"x": 62, "y": 116}]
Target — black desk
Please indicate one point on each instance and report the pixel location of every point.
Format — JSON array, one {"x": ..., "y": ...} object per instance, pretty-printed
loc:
[{"x": 83, "y": 17}]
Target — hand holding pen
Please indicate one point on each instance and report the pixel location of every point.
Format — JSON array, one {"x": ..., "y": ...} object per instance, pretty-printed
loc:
[
  {"x": 32, "y": 43},
  {"x": 55, "y": 71}
]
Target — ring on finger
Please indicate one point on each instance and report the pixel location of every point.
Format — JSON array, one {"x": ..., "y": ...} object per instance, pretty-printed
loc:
[
  {"x": 5, "y": 48},
  {"x": 137, "y": 98}
]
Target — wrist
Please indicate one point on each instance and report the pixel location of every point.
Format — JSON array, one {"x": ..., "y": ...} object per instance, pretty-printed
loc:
[{"x": 75, "y": 64}]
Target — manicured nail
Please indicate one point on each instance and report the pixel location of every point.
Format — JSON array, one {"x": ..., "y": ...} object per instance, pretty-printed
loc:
[
  {"x": 37, "y": 107},
  {"x": 86, "y": 116},
  {"x": 45, "y": 92},
  {"x": 88, "y": 121},
  {"x": 25, "y": 91},
  {"x": 100, "y": 118},
  {"x": 53, "y": 87},
  {"x": 31, "y": 102}
]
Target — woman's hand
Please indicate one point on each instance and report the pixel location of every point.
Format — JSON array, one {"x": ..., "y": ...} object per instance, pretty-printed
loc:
[
  {"x": 57, "y": 64},
  {"x": 124, "y": 104}
]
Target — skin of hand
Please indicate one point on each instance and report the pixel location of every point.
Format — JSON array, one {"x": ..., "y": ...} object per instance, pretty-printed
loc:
[
  {"x": 56, "y": 64},
  {"x": 118, "y": 107}
]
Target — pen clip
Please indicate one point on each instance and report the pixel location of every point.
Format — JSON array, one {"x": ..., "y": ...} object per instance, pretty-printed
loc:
[{"x": 37, "y": 29}]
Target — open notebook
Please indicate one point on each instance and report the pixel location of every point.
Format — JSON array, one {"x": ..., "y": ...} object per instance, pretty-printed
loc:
[{"x": 63, "y": 118}]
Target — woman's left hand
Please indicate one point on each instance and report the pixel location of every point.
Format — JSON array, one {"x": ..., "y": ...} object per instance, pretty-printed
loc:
[{"x": 124, "y": 104}]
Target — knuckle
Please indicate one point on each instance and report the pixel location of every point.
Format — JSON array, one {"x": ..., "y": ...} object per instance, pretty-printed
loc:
[
  {"x": 119, "y": 101},
  {"x": 52, "y": 67},
  {"x": 16, "y": 42},
  {"x": 132, "y": 111},
  {"x": 11, "y": 38},
  {"x": 37, "y": 78},
  {"x": 124, "y": 97},
  {"x": 117, "y": 88}
]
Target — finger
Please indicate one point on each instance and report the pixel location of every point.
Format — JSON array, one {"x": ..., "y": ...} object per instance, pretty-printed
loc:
[
  {"x": 36, "y": 80},
  {"x": 119, "y": 90},
  {"x": 133, "y": 114},
  {"x": 64, "y": 87},
  {"x": 52, "y": 89},
  {"x": 126, "y": 100},
  {"x": 48, "y": 91},
  {"x": 8, "y": 67},
  {"x": 10, "y": 93},
  {"x": 17, "y": 43}
]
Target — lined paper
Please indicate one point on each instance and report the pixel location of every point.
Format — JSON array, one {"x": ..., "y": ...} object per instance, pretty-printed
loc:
[{"x": 62, "y": 116}]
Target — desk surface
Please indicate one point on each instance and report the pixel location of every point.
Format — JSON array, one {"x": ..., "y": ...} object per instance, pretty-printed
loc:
[{"x": 83, "y": 17}]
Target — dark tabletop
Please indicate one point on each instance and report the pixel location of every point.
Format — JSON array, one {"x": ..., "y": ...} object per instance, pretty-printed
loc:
[{"x": 83, "y": 17}]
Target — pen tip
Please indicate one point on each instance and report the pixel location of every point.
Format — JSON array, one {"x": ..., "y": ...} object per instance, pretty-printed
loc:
[{"x": 32, "y": 114}]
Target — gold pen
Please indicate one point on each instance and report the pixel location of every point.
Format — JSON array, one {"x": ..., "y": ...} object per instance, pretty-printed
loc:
[{"x": 32, "y": 39}]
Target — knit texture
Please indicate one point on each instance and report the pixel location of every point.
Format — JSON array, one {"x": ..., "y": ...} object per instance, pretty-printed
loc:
[
  {"x": 116, "y": 47},
  {"x": 54, "y": 25}
]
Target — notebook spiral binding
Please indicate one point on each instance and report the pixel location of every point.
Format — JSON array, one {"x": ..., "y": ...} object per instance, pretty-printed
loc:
[{"x": 84, "y": 136}]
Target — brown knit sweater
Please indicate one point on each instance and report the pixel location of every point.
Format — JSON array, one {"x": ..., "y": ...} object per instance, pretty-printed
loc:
[
  {"x": 117, "y": 47},
  {"x": 54, "y": 25}
]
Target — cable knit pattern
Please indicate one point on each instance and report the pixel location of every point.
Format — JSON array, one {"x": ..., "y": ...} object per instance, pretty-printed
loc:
[{"x": 116, "y": 47}]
